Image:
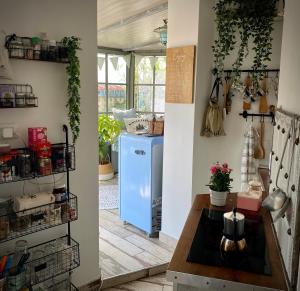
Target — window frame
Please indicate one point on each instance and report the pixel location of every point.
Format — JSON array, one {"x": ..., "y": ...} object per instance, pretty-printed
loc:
[
  {"x": 106, "y": 83},
  {"x": 153, "y": 85}
]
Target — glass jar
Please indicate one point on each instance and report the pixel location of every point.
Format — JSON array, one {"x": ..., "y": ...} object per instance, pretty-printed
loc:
[
  {"x": 24, "y": 165},
  {"x": 30, "y": 100},
  {"x": 52, "y": 53},
  {"x": 45, "y": 166},
  {"x": 16, "y": 49},
  {"x": 20, "y": 99}
]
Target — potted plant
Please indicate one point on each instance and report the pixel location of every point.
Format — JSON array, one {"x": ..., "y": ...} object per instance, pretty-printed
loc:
[
  {"x": 108, "y": 131},
  {"x": 219, "y": 184}
]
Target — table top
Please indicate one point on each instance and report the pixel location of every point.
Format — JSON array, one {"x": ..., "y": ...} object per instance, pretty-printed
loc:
[{"x": 179, "y": 263}]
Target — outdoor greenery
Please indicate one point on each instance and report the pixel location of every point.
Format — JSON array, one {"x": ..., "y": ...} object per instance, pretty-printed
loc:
[
  {"x": 108, "y": 131},
  {"x": 220, "y": 179},
  {"x": 250, "y": 20},
  {"x": 72, "y": 44}
]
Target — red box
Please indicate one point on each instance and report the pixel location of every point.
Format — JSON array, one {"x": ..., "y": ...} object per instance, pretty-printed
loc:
[
  {"x": 249, "y": 200},
  {"x": 37, "y": 135}
]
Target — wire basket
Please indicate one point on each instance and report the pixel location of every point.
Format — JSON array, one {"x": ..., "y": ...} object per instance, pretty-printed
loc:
[
  {"x": 24, "y": 164},
  {"x": 35, "y": 219},
  {"x": 46, "y": 261},
  {"x": 56, "y": 285}
]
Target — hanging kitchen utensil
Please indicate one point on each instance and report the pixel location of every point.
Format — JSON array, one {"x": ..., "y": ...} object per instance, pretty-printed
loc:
[
  {"x": 227, "y": 97},
  {"x": 278, "y": 199},
  {"x": 213, "y": 117},
  {"x": 259, "y": 152},
  {"x": 263, "y": 103},
  {"x": 247, "y": 93}
]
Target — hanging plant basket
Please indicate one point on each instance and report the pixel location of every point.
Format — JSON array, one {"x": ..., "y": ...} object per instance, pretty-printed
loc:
[{"x": 240, "y": 23}]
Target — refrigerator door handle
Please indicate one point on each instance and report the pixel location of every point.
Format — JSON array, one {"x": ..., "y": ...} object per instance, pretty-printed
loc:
[{"x": 140, "y": 152}]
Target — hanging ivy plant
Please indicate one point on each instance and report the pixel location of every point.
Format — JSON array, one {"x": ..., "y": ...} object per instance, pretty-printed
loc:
[
  {"x": 250, "y": 20},
  {"x": 72, "y": 45}
]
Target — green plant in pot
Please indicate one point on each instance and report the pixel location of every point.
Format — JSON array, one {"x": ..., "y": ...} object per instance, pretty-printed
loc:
[
  {"x": 109, "y": 130},
  {"x": 219, "y": 184},
  {"x": 240, "y": 23}
]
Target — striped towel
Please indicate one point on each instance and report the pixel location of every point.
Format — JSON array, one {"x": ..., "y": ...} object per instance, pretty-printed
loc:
[{"x": 248, "y": 162}]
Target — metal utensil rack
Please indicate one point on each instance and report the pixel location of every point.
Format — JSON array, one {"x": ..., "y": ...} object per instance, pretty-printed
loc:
[{"x": 46, "y": 268}]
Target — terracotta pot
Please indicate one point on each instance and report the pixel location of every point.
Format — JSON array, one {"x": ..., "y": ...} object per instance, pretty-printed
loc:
[
  {"x": 106, "y": 172},
  {"x": 218, "y": 198}
]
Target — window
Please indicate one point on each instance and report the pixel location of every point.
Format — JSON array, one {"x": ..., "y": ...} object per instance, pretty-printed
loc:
[
  {"x": 149, "y": 84},
  {"x": 112, "y": 82}
]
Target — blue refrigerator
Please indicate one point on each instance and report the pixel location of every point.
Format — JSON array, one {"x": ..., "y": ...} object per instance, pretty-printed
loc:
[{"x": 140, "y": 181}]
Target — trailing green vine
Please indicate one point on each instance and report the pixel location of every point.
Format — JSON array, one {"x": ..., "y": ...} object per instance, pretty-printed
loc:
[
  {"x": 72, "y": 44},
  {"x": 251, "y": 20}
]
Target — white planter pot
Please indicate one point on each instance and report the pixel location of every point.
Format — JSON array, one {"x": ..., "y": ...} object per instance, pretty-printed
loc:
[
  {"x": 218, "y": 198},
  {"x": 106, "y": 172}
]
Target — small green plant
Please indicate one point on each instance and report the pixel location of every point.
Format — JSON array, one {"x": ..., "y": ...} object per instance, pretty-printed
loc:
[
  {"x": 251, "y": 20},
  {"x": 72, "y": 44},
  {"x": 220, "y": 178},
  {"x": 108, "y": 131}
]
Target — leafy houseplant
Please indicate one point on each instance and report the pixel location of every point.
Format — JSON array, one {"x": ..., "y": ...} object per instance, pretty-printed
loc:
[
  {"x": 251, "y": 20},
  {"x": 72, "y": 45},
  {"x": 219, "y": 184},
  {"x": 108, "y": 131}
]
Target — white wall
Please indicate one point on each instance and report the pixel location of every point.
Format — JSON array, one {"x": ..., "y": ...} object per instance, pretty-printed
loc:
[
  {"x": 289, "y": 85},
  {"x": 187, "y": 156},
  {"x": 60, "y": 18},
  {"x": 183, "y": 19}
]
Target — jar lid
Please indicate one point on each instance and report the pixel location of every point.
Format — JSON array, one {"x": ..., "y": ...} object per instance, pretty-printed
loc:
[
  {"x": 59, "y": 186},
  {"x": 52, "y": 42}
]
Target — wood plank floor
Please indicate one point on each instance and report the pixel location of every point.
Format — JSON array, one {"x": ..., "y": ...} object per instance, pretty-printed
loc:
[
  {"x": 154, "y": 283},
  {"x": 125, "y": 248}
]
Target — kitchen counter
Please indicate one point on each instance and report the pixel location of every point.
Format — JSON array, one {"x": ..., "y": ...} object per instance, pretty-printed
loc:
[{"x": 187, "y": 276}]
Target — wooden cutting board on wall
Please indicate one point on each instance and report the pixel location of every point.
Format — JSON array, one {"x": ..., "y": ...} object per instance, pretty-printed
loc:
[{"x": 180, "y": 74}]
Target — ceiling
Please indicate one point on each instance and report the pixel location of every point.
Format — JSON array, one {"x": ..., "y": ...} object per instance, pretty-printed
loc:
[{"x": 129, "y": 24}]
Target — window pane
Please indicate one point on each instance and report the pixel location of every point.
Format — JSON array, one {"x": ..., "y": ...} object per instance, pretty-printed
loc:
[
  {"x": 101, "y": 68},
  {"x": 143, "y": 98},
  {"x": 116, "y": 69},
  {"x": 116, "y": 97},
  {"x": 101, "y": 98},
  {"x": 160, "y": 70},
  {"x": 144, "y": 71},
  {"x": 159, "y": 100}
]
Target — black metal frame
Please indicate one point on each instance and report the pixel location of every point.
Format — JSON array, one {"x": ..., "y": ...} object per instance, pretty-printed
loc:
[
  {"x": 246, "y": 114},
  {"x": 29, "y": 53},
  {"x": 73, "y": 261},
  {"x": 20, "y": 88},
  {"x": 251, "y": 71},
  {"x": 69, "y": 165}
]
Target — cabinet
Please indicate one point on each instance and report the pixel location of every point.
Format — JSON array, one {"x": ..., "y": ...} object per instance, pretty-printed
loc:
[{"x": 140, "y": 181}]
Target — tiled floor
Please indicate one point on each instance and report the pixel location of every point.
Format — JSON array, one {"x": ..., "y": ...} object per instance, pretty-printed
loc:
[
  {"x": 155, "y": 283},
  {"x": 125, "y": 248}
]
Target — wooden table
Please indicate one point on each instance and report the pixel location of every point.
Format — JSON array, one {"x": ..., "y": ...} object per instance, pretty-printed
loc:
[{"x": 193, "y": 276}]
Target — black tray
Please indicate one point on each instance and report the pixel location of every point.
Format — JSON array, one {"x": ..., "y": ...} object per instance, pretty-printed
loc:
[{"x": 205, "y": 248}]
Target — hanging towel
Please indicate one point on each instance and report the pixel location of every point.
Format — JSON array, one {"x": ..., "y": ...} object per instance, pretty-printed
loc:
[{"x": 248, "y": 162}]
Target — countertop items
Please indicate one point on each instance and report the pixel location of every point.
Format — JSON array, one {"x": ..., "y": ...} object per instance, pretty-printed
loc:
[{"x": 200, "y": 276}]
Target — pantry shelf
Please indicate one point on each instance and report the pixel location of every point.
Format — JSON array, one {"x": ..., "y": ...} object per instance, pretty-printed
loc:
[
  {"x": 46, "y": 261},
  {"x": 15, "y": 224},
  {"x": 35, "y": 49},
  {"x": 22, "y": 164}
]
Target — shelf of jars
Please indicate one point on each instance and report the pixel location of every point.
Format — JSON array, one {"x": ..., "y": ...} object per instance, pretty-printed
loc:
[
  {"x": 17, "y": 96},
  {"x": 25, "y": 164},
  {"x": 41, "y": 263},
  {"x": 35, "y": 49},
  {"x": 27, "y": 214}
]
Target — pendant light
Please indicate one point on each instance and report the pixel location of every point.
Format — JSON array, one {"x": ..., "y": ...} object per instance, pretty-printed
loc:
[{"x": 163, "y": 32}]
